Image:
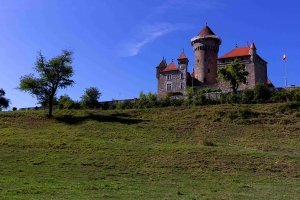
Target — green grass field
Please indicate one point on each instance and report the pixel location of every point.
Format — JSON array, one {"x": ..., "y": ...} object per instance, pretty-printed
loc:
[{"x": 211, "y": 152}]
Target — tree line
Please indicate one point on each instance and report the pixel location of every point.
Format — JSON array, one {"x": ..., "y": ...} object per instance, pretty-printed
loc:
[
  {"x": 56, "y": 73},
  {"x": 207, "y": 96}
]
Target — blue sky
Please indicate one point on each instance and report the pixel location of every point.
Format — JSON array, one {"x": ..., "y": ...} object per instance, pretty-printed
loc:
[{"x": 118, "y": 43}]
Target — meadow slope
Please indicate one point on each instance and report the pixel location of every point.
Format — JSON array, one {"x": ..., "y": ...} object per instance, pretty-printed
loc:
[{"x": 209, "y": 152}]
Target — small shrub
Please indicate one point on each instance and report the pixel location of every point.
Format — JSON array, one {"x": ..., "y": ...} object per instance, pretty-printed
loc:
[
  {"x": 279, "y": 96},
  {"x": 230, "y": 98},
  {"x": 262, "y": 93},
  {"x": 176, "y": 102},
  {"x": 123, "y": 105},
  {"x": 247, "y": 97},
  {"x": 294, "y": 95}
]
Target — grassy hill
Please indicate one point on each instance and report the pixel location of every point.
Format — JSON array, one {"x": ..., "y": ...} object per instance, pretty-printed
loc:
[{"x": 211, "y": 152}]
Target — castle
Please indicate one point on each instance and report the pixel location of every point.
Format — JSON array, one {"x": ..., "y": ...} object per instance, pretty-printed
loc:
[{"x": 175, "y": 79}]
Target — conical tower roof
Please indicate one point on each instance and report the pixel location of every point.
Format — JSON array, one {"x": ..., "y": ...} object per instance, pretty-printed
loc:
[
  {"x": 163, "y": 63},
  {"x": 252, "y": 46},
  {"x": 171, "y": 67},
  {"x": 182, "y": 56},
  {"x": 206, "y": 31}
]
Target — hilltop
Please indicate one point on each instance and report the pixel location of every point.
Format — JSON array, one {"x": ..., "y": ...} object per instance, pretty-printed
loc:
[{"x": 211, "y": 152}]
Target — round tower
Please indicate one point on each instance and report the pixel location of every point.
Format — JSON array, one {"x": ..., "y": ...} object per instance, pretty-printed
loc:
[{"x": 206, "y": 47}]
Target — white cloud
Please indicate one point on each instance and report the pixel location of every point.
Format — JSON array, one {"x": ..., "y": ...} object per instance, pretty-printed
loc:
[
  {"x": 170, "y": 7},
  {"x": 148, "y": 35}
]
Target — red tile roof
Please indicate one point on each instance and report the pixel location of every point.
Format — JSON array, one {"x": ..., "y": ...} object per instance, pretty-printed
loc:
[
  {"x": 206, "y": 31},
  {"x": 162, "y": 64},
  {"x": 171, "y": 67},
  {"x": 237, "y": 52},
  {"x": 182, "y": 56}
]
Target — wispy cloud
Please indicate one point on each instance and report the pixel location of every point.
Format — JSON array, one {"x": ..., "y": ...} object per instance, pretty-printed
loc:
[
  {"x": 171, "y": 8},
  {"x": 148, "y": 35}
]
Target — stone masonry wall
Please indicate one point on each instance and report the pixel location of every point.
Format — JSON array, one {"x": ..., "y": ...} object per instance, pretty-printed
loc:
[{"x": 176, "y": 83}]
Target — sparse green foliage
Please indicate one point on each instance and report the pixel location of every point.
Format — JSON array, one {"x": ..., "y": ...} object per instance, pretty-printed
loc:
[
  {"x": 65, "y": 102},
  {"x": 247, "y": 97},
  {"x": 4, "y": 102},
  {"x": 200, "y": 96},
  {"x": 53, "y": 74},
  {"x": 230, "y": 98},
  {"x": 262, "y": 93},
  {"x": 295, "y": 94},
  {"x": 235, "y": 74},
  {"x": 90, "y": 98},
  {"x": 147, "y": 101}
]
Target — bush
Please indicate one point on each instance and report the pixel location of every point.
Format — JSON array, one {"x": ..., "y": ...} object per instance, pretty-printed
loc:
[
  {"x": 230, "y": 98},
  {"x": 176, "y": 102},
  {"x": 247, "y": 97},
  {"x": 90, "y": 98},
  {"x": 65, "y": 102},
  {"x": 196, "y": 97},
  {"x": 165, "y": 101},
  {"x": 262, "y": 94},
  {"x": 147, "y": 101},
  {"x": 124, "y": 104},
  {"x": 294, "y": 94},
  {"x": 279, "y": 96}
]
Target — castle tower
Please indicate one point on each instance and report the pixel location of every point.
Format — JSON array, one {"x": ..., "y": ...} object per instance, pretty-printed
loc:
[
  {"x": 206, "y": 47},
  {"x": 162, "y": 65},
  {"x": 183, "y": 62}
]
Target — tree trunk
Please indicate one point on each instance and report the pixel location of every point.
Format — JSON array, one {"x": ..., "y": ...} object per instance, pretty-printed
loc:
[{"x": 50, "y": 106}]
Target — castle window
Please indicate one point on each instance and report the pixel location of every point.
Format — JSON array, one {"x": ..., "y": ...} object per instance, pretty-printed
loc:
[
  {"x": 169, "y": 77},
  {"x": 204, "y": 80},
  {"x": 169, "y": 87},
  {"x": 198, "y": 60},
  {"x": 208, "y": 71},
  {"x": 181, "y": 76},
  {"x": 181, "y": 85}
]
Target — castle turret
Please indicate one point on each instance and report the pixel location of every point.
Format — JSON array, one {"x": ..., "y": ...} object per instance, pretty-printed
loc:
[
  {"x": 162, "y": 65},
  {"x": 252, "y": 51},
  {"x": 183, "y": 62},
  {"x": 206, "y": 47}
]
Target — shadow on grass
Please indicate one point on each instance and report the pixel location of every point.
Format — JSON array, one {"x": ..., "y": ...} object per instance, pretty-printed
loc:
[{"x": 118, "y": 118}]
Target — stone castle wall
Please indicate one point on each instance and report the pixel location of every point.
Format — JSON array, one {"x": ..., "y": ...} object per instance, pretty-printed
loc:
[{"x": 175, "y": 82}]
